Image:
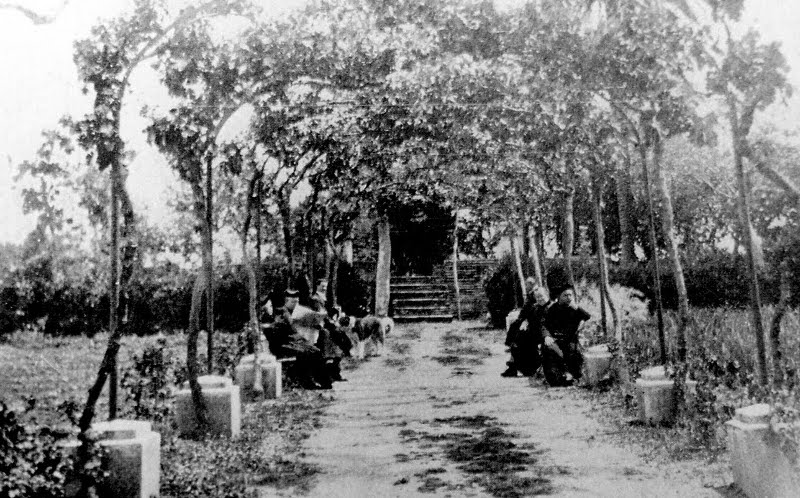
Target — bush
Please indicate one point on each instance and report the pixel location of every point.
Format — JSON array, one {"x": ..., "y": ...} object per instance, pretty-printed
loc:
[
  {"x": 354, "y": 293},
  {"x": 32, "y": 463},
  {"x": 149, "y": 381}
]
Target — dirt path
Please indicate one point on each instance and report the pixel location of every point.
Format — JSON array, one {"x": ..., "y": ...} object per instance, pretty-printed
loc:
[{"x": 433, "y": 416}]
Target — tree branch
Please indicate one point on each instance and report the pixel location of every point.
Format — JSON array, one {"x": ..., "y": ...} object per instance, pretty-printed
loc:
[{"x": 35, "y": 17}]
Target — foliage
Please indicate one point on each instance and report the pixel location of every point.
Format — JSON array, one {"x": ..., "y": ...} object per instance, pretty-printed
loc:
[
  {"x": 35, "y": 465},
  {"x": 149, "y": 381}
]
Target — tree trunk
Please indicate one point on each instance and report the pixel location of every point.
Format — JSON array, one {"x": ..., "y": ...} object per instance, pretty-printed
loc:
[
  {"x": 208, "y": 263},
  {"x": 518, "y": 265},
  {"x": 775, "y": 328},
  {"x": 456, "y": 286},
  {"x": 253, "y": 328},
  {"x": 568, "y": 233},
  {"x": 192, "y": 368},
  {"x": 526, "y": 238},
  {"x": 540, "y": 232},
  {"x": 108, "y": 365},
  {"x": 288, "y": 239},
  {"x": 757, "y": 319},
  {"x": 114, "y": 329},
  {"x": 533, "y": 244},
  {"x": 624, "y": 198},
  {"x": 605, "y": 287},
  {"x": 642, "y": 146},
  {"x": 333, "y": 280},
  {"x": 383, "y": 268},
  {"x": 668, "y": 229},
  {"x": 259, "y": 197}
]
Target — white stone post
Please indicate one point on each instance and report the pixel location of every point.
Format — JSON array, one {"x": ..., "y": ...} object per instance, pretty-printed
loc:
[
  {"x": 133, "y": 462},
  {"x": 759, "y": 466},
  {"x": 655, "y": 393},
  {"x": 271, "y": 376},
  {"x": 596, "y": 364},
  {"x": 223, "y": 404}
]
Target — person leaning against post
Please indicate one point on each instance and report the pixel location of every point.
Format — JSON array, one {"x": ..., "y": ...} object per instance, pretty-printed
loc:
[{"x": 562, "y": 357}]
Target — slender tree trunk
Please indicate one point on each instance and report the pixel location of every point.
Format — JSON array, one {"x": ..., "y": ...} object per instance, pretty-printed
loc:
[
  {"x": 333, "y": 280},
  {"x": 540, "y": 234},
  {"x": 108, "y": 365},
  {"x": 642, "y": 146},
  {"x": 526, "y": 238},
  {"x": 259, "y": 198},
  {"x": 757, "y": 319},
  {"x": 568, "y": 233},
  {"x": 533, "y": 244},
  {"x": 288, "y": 239},
  {"x": 623, "y": 190},
  {"x": 208, "y": 261},
  {"x": 668, "y": 229},
  {"x": 113, "y": 322},
  {"x": 253, "y": 328},
  {"x": 192, "y": 368},
  {"x": 597, "y": 216},
  {"x": 518, "y": 263},
  {"x": 456, "y": 286},
  {"x": 605, "y": 287},
  {"x": 775, "y": 328},
  {"x": 383, "y": 268}
]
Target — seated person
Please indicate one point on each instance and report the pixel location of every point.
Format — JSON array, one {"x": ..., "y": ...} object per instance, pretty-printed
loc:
[
  {"x": 285, "y": 341},
  {"x": 562, "y": 357},
  {"x": 525, "y": 334}
]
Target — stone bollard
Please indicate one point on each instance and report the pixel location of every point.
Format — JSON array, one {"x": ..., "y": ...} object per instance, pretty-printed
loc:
[
  {"x": 655, "y": 394},
  {"x": 596, "y": 364},
  {"x": 759, "y": 466},
  {"x": 133, "y": 462},
  {"x": 222, "y": 403},
  {"x": 271, "y": 376}
]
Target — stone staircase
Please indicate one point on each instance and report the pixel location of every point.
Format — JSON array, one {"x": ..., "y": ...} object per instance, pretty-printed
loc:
[
  {"x": 421, "y": 299},
  {"x": 432, "y": 298}
]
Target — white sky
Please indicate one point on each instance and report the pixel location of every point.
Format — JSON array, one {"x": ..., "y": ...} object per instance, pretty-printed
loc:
[{"x": 39, "y": 84}]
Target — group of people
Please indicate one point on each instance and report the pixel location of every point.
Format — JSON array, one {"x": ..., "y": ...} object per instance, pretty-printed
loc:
[
  {"x": 319, "y": 351},
  {"x": 545, "y": 334}
]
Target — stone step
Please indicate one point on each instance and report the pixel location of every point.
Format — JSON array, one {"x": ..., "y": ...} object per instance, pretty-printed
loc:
[
  {"x": 422, "y": 310},
  {"x": 410, "y": 293},
  {"x": 417, "y": 285},
  {"x": 425, "y": 318},
  {"x": 420, "y": 301}
]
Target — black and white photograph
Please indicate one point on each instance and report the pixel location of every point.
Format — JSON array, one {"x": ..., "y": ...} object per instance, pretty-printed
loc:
[{"x": 399, "y": 248}]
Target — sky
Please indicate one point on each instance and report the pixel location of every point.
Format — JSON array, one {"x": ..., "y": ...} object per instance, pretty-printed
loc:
[{"x": 40, "y": 84}]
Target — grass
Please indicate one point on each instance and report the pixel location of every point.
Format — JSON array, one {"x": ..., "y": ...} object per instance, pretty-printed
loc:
[{"x": 267, "y": 453}]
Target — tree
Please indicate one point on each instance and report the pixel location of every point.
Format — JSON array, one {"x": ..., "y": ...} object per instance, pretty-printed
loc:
[{"x": 749, "y": 77}]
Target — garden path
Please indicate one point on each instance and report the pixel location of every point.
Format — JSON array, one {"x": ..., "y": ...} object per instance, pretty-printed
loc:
[{"x": 433, "y": 417}]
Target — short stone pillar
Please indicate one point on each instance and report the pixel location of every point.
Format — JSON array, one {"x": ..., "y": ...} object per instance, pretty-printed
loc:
[
  {"x": 759, "y": 466},
  {"x": 223, "y": 404},
  {"x": 271, "y": 376},
  {"x": 133, "y": 461},
  {"x": 655, "y": 394},
  {"x": 596, "y": 364}
]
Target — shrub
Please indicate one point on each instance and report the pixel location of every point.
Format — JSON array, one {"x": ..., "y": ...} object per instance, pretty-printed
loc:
[
  {"x": 33, "y": 465},
  {"x": 149, "y": 381},
  {"x": 354, "y": 293}
]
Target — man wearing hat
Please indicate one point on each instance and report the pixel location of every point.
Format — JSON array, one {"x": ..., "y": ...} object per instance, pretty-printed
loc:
[
  {"x": 285, "y": 341},
  {"x": 562, "y": 356}
]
